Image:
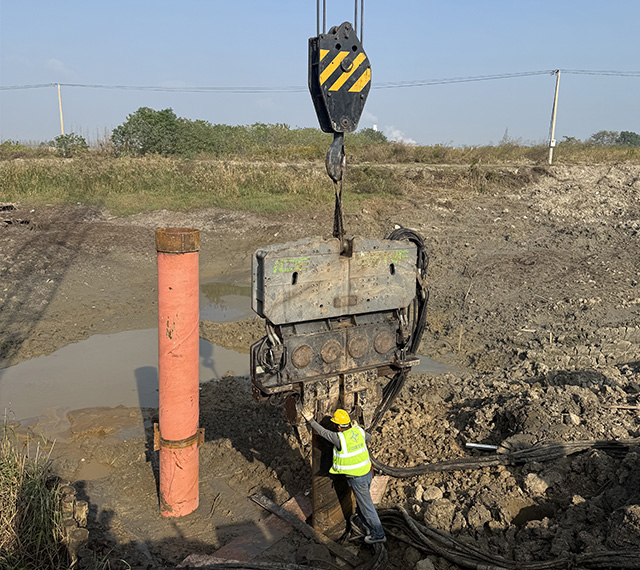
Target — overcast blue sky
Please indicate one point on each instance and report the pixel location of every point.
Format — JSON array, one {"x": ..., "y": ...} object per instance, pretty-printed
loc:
[{"x": 253, "y": 43}]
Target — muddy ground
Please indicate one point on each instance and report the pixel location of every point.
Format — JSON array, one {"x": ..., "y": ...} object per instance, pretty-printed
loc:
[{"x": 535, "y": 300}]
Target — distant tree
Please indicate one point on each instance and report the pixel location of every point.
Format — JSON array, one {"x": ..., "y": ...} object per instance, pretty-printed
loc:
[
  {"x": 612, "y": 138},
  {"x": 69, "y": 145},
  {"x": 604, "y": 138},
  {"x": 373, "y": 135},
  {"x": 147, "y": 131},
  {"x": 629, "y": 138},
  {"x": 570, "y": 140}
]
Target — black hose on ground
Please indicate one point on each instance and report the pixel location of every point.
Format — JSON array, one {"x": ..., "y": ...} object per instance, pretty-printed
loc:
[
  {"x": 539, "y": 452},
  {"x": 400, "y": 525}
]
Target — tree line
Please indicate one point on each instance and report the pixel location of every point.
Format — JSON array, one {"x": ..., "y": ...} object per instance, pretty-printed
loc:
[
  {"x": 608, "y": 138},
  {"x": 148, "y": 131},
  {"x": 162, "y": 132}
]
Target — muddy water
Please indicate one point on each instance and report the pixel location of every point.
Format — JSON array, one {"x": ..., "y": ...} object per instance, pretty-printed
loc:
[
  {"x": 121, "y": 369},
  {"x": 104, "y": 370},
  {"x": 429, "y": 366},
  {"x": 117, "y": 369},
  {"x": 225, "y": 302}
]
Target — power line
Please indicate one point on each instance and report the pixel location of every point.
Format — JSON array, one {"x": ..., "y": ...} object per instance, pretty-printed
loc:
[
  {"x": 609, "y": 73},
  {"x": 208, "y": 89},
  {"x": 468, "y": 79},
  {"x": 33, "y": 86},
  {"x": 300, "y": 89}
]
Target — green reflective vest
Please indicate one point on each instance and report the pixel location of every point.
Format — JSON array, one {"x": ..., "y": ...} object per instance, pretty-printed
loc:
[{"x": 353, "y": 457}]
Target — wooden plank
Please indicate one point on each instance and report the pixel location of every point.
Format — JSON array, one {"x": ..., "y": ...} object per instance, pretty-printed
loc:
[
  {"x": 305, "y": 529},
  {"x": 247, "y": 547},
  {"x": 378, "y": 487}
]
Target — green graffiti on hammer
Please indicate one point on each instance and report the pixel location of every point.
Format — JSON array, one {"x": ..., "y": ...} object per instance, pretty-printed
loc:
[
  {"x": 375, "y": 258},
  {"x": 291, "y": 264}
]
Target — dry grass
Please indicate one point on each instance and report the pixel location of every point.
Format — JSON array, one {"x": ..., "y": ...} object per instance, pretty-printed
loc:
[
  {"x": 130, "y": 185},
  {"x": 285, "y": 179},
  {"x": 502, "y": 154},
  {"x": 30, "y": 516}
]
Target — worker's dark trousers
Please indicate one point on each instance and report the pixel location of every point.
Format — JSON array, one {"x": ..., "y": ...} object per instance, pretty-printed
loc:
[{"x": 361, "y": 487}]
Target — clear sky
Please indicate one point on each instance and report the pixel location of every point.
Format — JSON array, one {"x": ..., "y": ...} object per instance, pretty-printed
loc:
[{"x": 251, "y": 43}]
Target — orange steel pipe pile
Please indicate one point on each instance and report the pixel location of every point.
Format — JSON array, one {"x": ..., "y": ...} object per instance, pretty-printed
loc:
[{"x": 178, "y": 436}]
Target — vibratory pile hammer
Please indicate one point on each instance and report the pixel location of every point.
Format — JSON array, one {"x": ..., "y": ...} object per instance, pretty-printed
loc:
[{"x": 340, "y": 312}]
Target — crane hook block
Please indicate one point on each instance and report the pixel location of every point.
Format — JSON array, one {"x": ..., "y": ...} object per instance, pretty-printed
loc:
[{"x": 339, "y": 78}]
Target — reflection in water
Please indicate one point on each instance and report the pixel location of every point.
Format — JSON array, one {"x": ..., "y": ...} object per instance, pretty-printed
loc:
[
  {"x": 225, "y": 302},
  {"x": 112, "y": 370},
  {"x": 104, "y": 370}
]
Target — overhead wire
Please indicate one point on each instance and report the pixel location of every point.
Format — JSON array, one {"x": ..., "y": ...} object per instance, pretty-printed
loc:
[{"x": 299, "y": 89}]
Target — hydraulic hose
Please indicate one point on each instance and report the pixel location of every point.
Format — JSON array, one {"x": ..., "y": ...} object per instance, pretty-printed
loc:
[
  {"x": 539, "y": 452},
  {"x": 400, "y": 525},
  {"x": 419, "y": 312}
]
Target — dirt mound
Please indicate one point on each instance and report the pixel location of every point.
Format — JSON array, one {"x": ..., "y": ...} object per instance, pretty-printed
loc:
[{"x": 532, "y": 512}]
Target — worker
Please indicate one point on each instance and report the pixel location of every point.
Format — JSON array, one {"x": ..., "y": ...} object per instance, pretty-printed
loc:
[{"x": 351, "y": 458}]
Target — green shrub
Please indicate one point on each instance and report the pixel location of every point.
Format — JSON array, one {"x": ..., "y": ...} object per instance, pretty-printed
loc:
[
  {"x": 147, "y": 131},
  {"x": 10, "y": 150},
  {"x": 69, "y": 145}
]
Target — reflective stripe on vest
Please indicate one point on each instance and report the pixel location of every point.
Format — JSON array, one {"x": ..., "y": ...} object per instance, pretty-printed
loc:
[{"x": 353, "y": 456}]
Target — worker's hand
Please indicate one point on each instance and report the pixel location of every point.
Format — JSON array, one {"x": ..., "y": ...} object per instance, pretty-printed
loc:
[{"x": 307, "y": 415}]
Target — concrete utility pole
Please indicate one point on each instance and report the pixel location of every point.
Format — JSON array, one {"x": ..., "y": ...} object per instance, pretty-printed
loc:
[
  {"x": 552, "y": 130},
  {"x": 60, "y": 105}
]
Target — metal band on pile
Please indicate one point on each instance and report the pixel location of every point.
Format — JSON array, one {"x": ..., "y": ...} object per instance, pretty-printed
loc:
[{"x": 159, "y": 441}]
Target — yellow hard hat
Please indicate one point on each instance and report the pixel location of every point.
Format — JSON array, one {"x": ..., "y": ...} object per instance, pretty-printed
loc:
[{"x": 341, "y": 418}]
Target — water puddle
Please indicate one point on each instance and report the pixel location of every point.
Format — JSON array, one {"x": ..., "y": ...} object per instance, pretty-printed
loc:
[
  {"x": 105, "y": 370},
  {"x": 225, "y": 302},
  {"x": 428, "y": 366}
]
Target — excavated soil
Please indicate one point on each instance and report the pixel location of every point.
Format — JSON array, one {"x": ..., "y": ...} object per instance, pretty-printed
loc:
[{"x": 534, "y": 304}]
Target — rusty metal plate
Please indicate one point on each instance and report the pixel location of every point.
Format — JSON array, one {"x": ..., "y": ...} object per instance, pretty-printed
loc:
[
  {"x": 330, "y": 494},
  {"x": 308, "y": 279}
]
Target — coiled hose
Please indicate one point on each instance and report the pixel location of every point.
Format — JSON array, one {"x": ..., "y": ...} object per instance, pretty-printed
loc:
[
  {"x": 418, "y": 316},
  {"x": 400, "y": 525}
]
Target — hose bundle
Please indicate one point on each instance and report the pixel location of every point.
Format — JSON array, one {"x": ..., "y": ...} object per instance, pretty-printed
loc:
[
  {"x": 417, "y": 317},
  {"x": 539, "y": 452},
  {"x": 400, "y": 525}
]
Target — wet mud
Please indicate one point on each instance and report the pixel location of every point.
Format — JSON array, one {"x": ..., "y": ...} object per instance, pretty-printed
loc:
[{"x": 534, "y": 317}]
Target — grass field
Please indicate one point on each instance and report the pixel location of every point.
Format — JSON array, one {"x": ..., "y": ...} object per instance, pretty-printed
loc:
[{"x": 290, "y": 178}]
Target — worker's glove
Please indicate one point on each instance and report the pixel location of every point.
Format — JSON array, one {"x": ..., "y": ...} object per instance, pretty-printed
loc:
[{"x": 306, "y": 413}]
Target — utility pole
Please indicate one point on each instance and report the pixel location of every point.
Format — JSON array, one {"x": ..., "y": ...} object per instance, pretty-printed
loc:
[
  {"x": 552, "y": 130},
  {"x": 60, "y": 105}
]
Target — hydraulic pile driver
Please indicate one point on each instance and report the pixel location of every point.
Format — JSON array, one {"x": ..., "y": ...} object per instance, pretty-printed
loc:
[{"x": 340, "y": 312}]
